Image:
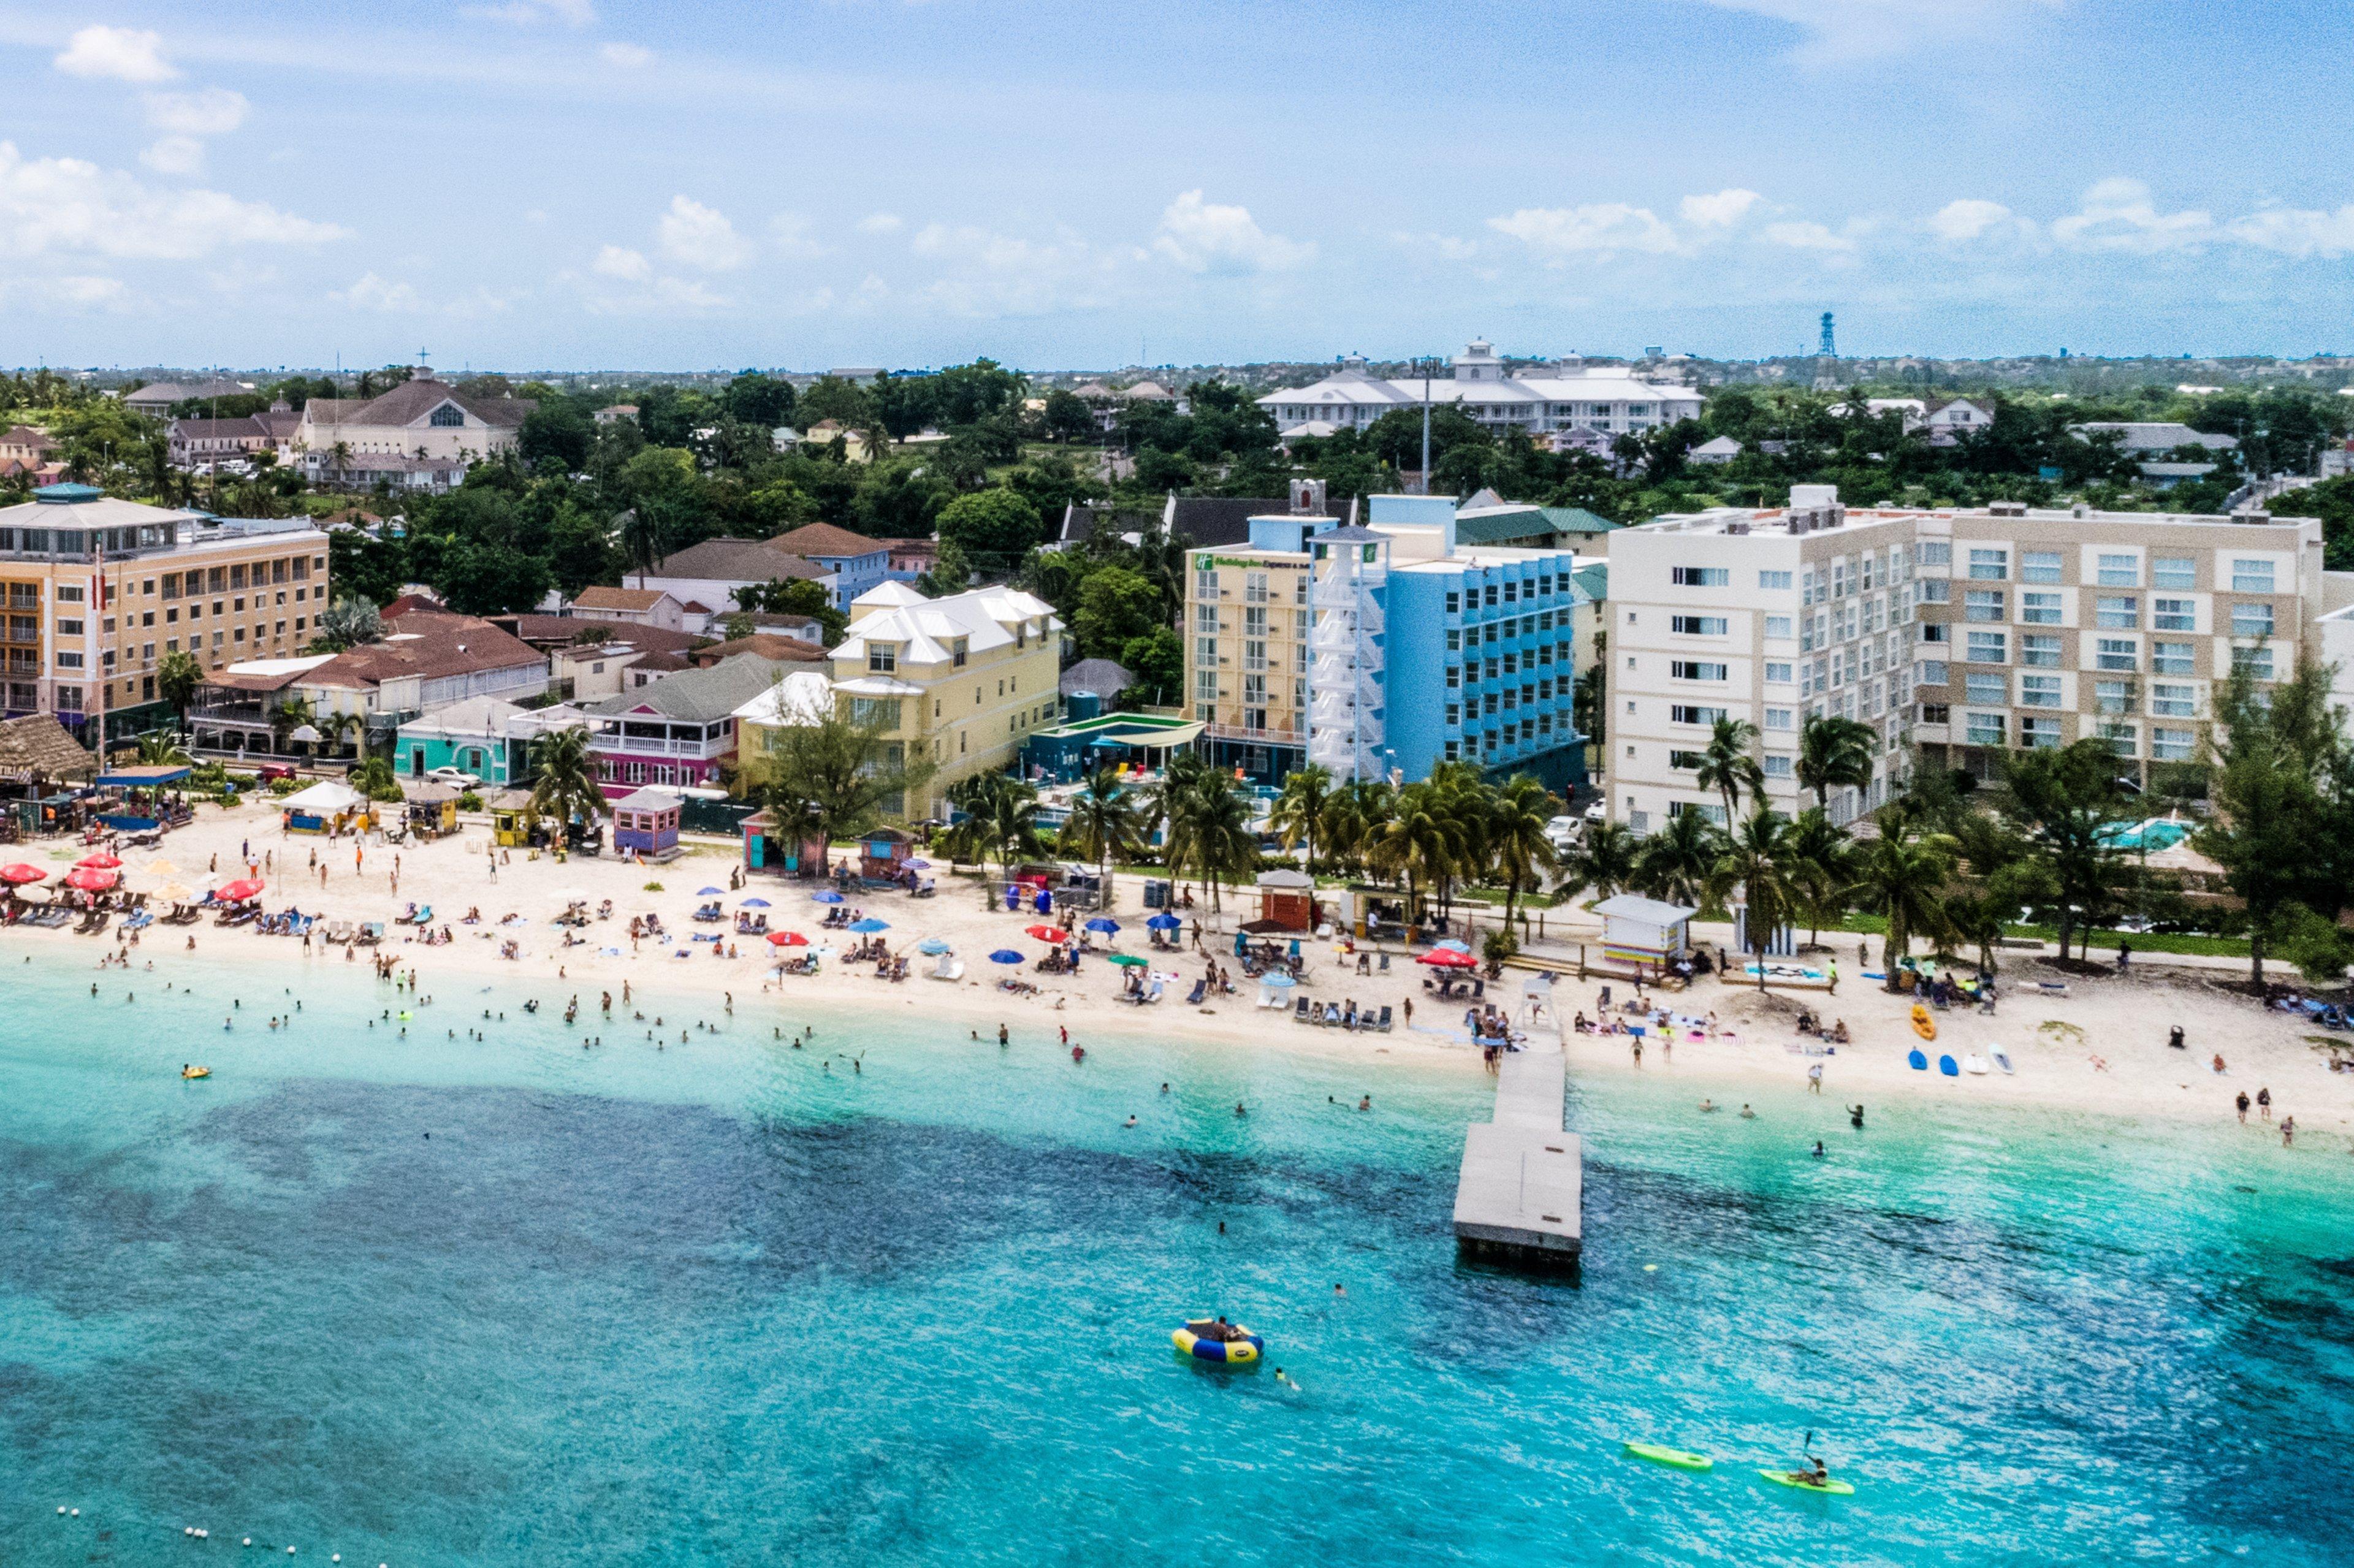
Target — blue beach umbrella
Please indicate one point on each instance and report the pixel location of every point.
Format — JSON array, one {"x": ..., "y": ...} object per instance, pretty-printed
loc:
[
  {"x": 1165, "y": 922},
  {"x": 869, "y": 926},
  {"x": 1453, "y": 946},
  {"x": 707, "y": 893},
  {"x": 826, "y": 895},
  {"x": 918, "y": 865},
  {"x": 932, "y": 947},
  {"x": 756, "y": 903},
  {"x": 1104, "y": 923},
  {"x": 1278, "y": 981},
  {"x": 1005, "y": 955}
]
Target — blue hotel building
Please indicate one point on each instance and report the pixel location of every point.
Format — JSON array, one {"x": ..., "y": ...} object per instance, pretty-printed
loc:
[{"x": 1385, "y": 649}]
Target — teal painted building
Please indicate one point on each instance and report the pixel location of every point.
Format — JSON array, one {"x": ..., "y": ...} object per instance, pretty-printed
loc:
[{"x": 480, "y": 735}]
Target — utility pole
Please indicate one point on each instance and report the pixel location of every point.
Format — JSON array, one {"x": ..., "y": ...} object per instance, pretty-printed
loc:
[{"x": 1427, "y": 366}]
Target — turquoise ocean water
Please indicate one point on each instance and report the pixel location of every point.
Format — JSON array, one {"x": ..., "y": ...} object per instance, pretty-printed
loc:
[{"x": 734, "y": 1303}]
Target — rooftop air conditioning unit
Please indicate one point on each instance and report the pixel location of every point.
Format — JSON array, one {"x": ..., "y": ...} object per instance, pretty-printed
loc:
[{"x": 1736, "y": 529}]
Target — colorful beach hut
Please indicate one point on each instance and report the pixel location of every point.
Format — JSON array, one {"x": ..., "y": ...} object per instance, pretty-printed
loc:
[
  {"x": 433, "y": 806},
  {"x": 768, "y": 847},
  {"x": 884, "y": 852},
  {"x": 646, "y": 822},
  {"x": 1644, "y": 934},
  {"x": 1287, "y": 901}
]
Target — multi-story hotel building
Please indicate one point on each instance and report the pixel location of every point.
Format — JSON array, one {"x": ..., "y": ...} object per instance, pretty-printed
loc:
[
  {"x": 1385, "y": 649},
  {"x": 1537, "y": 401},
  {"x": 96, "y": 590},
  {"x": 1965, "y": 633}
]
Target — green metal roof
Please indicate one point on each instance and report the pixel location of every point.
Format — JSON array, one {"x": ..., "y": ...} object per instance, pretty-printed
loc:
[
  {"x": 1578, "y": 520},
  {"x": 1594, "y": 580}
]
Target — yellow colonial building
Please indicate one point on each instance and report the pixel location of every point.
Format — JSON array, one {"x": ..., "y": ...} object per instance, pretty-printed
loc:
[{"x": 962, "y": 680}]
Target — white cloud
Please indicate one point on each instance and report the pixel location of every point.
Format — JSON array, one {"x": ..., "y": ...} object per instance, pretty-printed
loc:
[
  {"x": 627, "y": 55},
  {"x": 2118, "y": 215},
  {"x": 215, "y": 111},
  {"x": 1807, "y": 236},
  {"x": 1203, "y": 238},
  {"x": 659, "y": 296},
  {"x": 372, "y": 293},
  {"x": 986, "y": 274},
  {"x": 1723, "y": 210},
  {"x": 1599, "y": 228},
  {"x": 70, "y": 205},
  {"x": 174, "y": 155},
  {"x": 1446, "y": 247},
  {"x": 614, "y": 261},
  {"x": 87, "y": 290},
  {"x": 881, "y": 223},
  {"x": 2298, "y": 231},
  {"x": 1848, "y": 30},
  {"x": 523, "y": 13},
  {"x": 123, "y": 54},
  {"x": 1968, "y": 218},
  {"x": 788, "y": 232},
  {"x": 701, "y": 237}
]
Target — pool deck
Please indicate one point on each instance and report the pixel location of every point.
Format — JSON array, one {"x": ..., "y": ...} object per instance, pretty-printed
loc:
[{"x": 1519, "y": 1198}]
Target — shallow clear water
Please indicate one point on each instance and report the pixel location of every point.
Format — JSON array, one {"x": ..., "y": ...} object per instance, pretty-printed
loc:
[{"x": 721, "y": 1303}]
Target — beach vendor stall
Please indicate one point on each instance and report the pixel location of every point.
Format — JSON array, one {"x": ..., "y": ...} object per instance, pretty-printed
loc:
[
  {"x": 143, "y": 801},
  {"x": 768, "y": 847},
  {"x": 511, "y": 819},
  {"x": 646, "y": 824},
  {"x": 326, "y": 807},
  {"x": 431, "y": 808},
  {"x": 1645, "y": 936},
  {"x": 1287, "y": 900}
]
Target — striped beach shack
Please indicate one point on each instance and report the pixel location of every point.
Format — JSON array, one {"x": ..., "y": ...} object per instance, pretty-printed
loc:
[{"x": 1643, "y": 933}]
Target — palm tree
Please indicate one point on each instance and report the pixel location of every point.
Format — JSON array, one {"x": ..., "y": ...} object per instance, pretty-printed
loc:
[
  {"x": 375, "y": 779},
  {"x": 1518, "y": 847},
  {"x": 1759, "y": 860},
  {"x": 339, "y": 727},
  {"x": 1976, "y": 918},
  {"x": 1675, "y": 862},
  {"x": 641, "y": 533},
  {"x": 178, "y": 676},
  {"x": 1001, "y": 819},
  {"x": 1102, "y": 824},
  {"x": 1209, "y": 832},
  {"x": 155, "y": 750},
  {"x": 1421, "y": 842},
  {"x": 1727, "y": 768},
  {"x": 1298, "y": 814},
  {"x": 1602, "y": 862},
  {"x": 288, "y": 716},
  {"x": 1825, "y": 867},
  {"x": 1835, "y": 754},
  {"x": 1354, "y": 814},
  {"x": 1902, "y": 876},
  {"x": 564, "y": 776}
]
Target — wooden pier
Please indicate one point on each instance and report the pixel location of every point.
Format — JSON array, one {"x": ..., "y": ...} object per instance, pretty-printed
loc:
[{"x": 1519, "y": 1196}]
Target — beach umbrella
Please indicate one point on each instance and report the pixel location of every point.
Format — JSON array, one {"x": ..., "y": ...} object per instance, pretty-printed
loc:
[
  {"x": 21, "y": 874},
  {"x": 1104, "y": 924},
  {"x": 869, "y": 926},
  {"x": 786, "y": 939},
  {"x": 92, "y": 878},
  {"x": 1165, "y": 921},
  {"x": 1278, "y": 981},
  {"x": 1005, "y": 955},
  {"x": 932, "y": 947},
  {"x": 1448, "y": 958},
  {"x": 174, "y": 893},
  {"x": 1048, "y": 933},
  {"x": 918, "y": 866},
  {"x": 825, "y": 895},
  {"x": 1454, "y": 944},
  {"x": 98, "y": 859},
  {"x": 708, "y": 892},
  {"x": 243, "y": 888},
  {"x": 1125, "y": 961},
  {"x": 161, "y": 868},
  {"x": 756, "y": 903}
]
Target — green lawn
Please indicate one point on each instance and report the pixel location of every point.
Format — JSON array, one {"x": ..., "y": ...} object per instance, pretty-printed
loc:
[{"x": 2143, "y": 941}]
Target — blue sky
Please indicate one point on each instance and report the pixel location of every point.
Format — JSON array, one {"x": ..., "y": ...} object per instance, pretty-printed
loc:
[{"x": 580, "y": 183}]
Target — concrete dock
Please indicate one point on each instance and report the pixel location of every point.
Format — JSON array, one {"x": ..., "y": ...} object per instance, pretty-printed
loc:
[{"x": 1519, "y": 1196}]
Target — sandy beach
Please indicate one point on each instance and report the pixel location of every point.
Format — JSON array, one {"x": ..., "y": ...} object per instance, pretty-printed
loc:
[{"x": 2100, "y": 1048}]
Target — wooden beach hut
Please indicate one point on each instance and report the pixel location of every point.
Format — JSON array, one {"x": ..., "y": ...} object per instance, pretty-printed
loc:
[
  {"x": 1287, "y": 901},
  {"x": 432, "y": 806},
  {"x": 646, "y": 822},
  {"x": 1645, "y": 935}
]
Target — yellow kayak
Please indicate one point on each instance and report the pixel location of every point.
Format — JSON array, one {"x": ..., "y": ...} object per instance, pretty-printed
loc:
[
  {"x": 1799, "y": 1480},
  {"x": 195, "y": 1072},
  {"x": 1923, "y": 1025}
]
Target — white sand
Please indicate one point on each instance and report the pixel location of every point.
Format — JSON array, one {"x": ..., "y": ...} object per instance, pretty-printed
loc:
[{"x": 2124, "y": 1020}]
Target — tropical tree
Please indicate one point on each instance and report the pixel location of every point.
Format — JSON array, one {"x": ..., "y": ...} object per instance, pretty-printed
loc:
[
  {"x": 564, "y": 776},
  {"x": 1354, "y": 815},
  {"x": 999, "y": 820},
  {"x": 1421, "y": 842},
  {"x": 349, "y": 623},
  {"x": 1602, "y": 862},
  {"x": 155, "y": 750},
  {"x": 1901, "y": 876},
  {"x": 1727, "y": 767},
  {"x": 1299, "y": 811},
  {"x": 1823, "y": 868},
  {"x": 1760, "y": 861},
  {"x": 2068, "y": 802},
  {"x": 1835, "y": 752},
  {"x": 1102, "y": 823},
  {"x": 845, "y": 770},
  {"x": 178, "y": 676},
  {"x": 1675, "y": 864},
  {"x": 1210, "y": 833},
  {"x": 1518, "y": 851},
  {"x": 287, "y": 717}
]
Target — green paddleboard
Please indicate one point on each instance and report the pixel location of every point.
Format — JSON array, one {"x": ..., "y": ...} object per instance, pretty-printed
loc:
[
  {"x": 1797, "y": 1482},
  {"x": 1676, "y": 1458}
]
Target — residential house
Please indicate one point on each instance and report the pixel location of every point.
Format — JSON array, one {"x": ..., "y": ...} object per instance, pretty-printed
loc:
[
  {"x": 155, "y": 399},
  {"x": 716, "y": 571},
  {"x": 825, "y": 432},
  {"x": 486, "y": 736},
  {"x": 767, "y": 644},
  {"x": 23, "y": 444},
  {"x": 199, "y": 443},
  {"x": 798, "y": 697},
  {"x": 1949, "y": 419},
  {"x": 857, "y": 562},
  {"x": 643, "y": 607},
  {"x": 615, "y": 413},
  {"x": 910, "y": 558},
  {"x": 1536, "y": 401},
  {"x": 677, "y": 732},
  {"x": 1714, "y": 452},
  {"x": 2155, "y": 440}
]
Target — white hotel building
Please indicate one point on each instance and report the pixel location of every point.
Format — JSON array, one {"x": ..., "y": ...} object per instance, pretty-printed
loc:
[
  {"x": 1536, "y": 401},
  {"x": 1963, "y": 632}
]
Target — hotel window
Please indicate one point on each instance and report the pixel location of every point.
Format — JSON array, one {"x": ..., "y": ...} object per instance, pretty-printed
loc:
[
  {"x": 1936, "y": 713},
  {"x": 1937, "y": 631},
  {"x": 1695, "y": 577},
  {"x": 2252, "y": 576},
  {"x": 69, "y": 628},
  {"x": 1205, "y": 618},
  {"x": 1982, "y": 729},
  {"x": 1689, "y": 761},
  {"x": 957, "y": 651},
  {"x": 2113, "y": 697},
  {"x": 2039, "y": 565},
  {"x": 2119, "y": 612},
  {"x": 2040, "y": 609},
  {"x": 2255, "y": 662},
  {"x": 1488, "y": 596},
  {"x": 1780, "y": 719},
  {"x": 1780, "y": 674},
  {"x": 1777, "y": 767},
  {"x": 2172, "y": 659},
  {"x": 2123, "y": 738},
  {"x": 1254, "y": 655},
  {"x": 2116, "y": 653},
  {"x": 1696, "y": 670},
  {"x": 2039, "y": 733},
  {"x": 1254, "y": 589},
  {"x": 2179, "y": 572},
  {"x": 1936, "y": 590},
  {"x": 1682, "y": 713},
  {"x": 2117, "y": 571},
  {"x": 1777, "y": 626},
  {"x": 1982, "y": 604},
  {"x": 1936, "y": 553},
  {"x": 1697, "y": 625},
  {"x": 1454, "y": 715},
  {"x": 1987, "y": 648},
  {"x": 1989, "y": 566},
  {"x": 68, "y": 661},
  {"x": 1205, "y": 651},
  {"x": 2173, "y": 745},
  {"x": 1986, "y": 689},
  {"x": 2040, "y": 650},
  {"x": 2173, "y": 615},
  {"x": 2252, "y": 621},
  {"x": 2039, "y": 690},
  {"x": 2172, "y": 701},
  {"x": 1774, "y": 581},
  {"x": 1933, "y": 672},
  {"x": 1205, "y": 685}
]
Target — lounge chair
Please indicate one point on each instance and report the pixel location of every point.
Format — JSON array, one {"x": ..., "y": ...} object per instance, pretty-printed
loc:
[
  {"x": 1201, "y": 989},
  {"x": 1301, "y": 1012},
  {"x": 371, "y": 932},
  {"x": 1383, "y": 1024}
]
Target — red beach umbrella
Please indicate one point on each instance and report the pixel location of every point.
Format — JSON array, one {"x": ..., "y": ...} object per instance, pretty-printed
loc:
[
  {"x": 91, "y": 878},
  {"x": 243, "y": 888},
  {"x": 1048, "y": 933},
  {"x": 786, "y": 939},
  {"x": 20, "y": 874},
  {"x": 98, "y": 859},
  {"x": 1449, "y": 959}
]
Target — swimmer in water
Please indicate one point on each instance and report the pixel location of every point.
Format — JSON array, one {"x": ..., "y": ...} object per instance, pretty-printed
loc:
[
  {"x": 1819, "y": 1148},
  {"x": 1130, "y": 1122}
]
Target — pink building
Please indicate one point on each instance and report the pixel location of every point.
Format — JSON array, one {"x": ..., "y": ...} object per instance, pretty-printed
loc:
[{"x": 678, "y": 731}]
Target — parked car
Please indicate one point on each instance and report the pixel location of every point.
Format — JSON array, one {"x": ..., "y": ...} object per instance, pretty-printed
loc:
[
  {"x": 458, "y": 777},
  {"x": 273, "y": 771}
]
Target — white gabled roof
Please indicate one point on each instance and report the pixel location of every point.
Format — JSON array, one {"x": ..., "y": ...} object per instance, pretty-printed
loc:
[
  {"x": 803, "y": 697},
  {"x": 890, "y": 596},
  {"x": 924, "y": 629}
]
